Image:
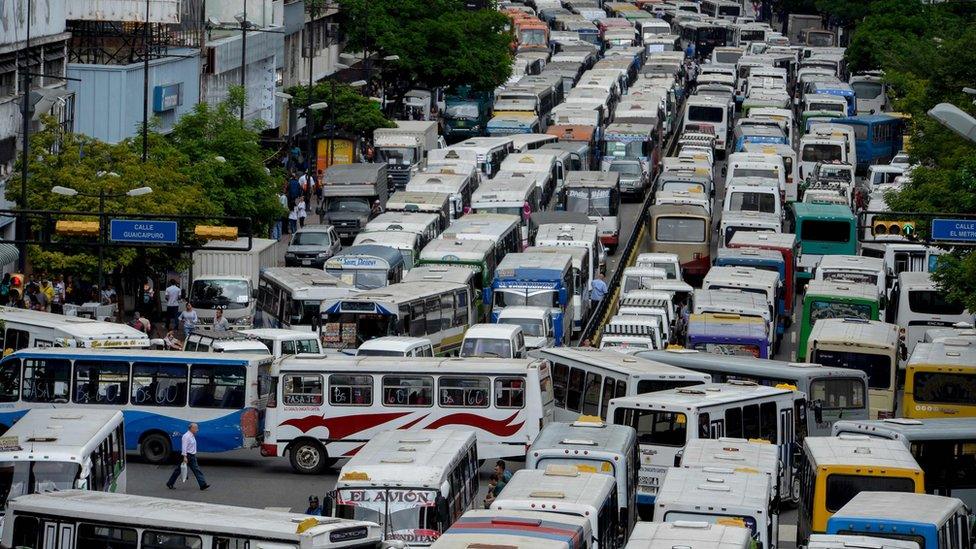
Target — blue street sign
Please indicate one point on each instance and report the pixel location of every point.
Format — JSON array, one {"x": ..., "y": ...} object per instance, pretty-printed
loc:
[
  {"x": 143, "y": 231},
  {"x": 954, "y": 230}
]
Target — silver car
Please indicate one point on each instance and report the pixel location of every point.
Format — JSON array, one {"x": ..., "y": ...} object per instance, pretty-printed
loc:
[{"x": 311, "y": 246}]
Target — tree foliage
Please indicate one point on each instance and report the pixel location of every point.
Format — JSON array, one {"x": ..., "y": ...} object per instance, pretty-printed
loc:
[
  {"x": 354, "y": 113},
  {"x": 439, "y": 42}
]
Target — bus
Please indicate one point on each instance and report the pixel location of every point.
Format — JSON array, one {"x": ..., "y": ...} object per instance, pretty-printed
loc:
[
  {"x": 830, "y": 541},
  {"x": 710, "y": 114},
  {"x": 439, "y": 312},
  {"x": 918, "y": 305},
  {"x": 739, "y": 454},
  {"x": 582, "y": 276},
  {"x": 78, "y": 519},
  {"x": 878, "y": 138},
  {"x": 756, "y": 281},
  {"x": 788, "y": 246},
  {"x": 476, "y": 254},
  {"x": 452, "y": 274},
  {"x": 564, "y": 490},
  {"x": 685, "y": 230},
  {"x": 666, "y": 420},
  {"x": 597, "y": 195},
  {"x": 940, "y": 380},
  {"x": 723, "y": 9},
  {"x": 434, "y": 481},
  {"x": 23, "y": 328},
  {"x": 504, "y": 401},
  {"x": 931, "y": 521},
  {"x": 516, "y": 530},
  {"x": 943, "y": 447},
  {"x": 835, "y": 469},
  {"x": 291, "y": 297},
  {"x": 821, "y": 229},
  {"x": 716, "y": 495},
  {"x": 52, "y": 450},
  {"x": 502, "y": 230},
  {"x": 832, "y": 393},
  {"x": 855, "y": 268},
  {"x": 537, "y": 280},
  {"x": 867, "y": 345},
  {"x": 511, "y": 194},
  {"x": 835, "y": 300},
  {"x": 743, "y": 304},
  {"x": 593, "y": 446},
  {"x": 584, "y": 379},
  {"x": 159, "y": 392},
  {"x": 728, "y": 334},
  {"x": 366, "y": 266},
  {"x": 653, "y": 535}
]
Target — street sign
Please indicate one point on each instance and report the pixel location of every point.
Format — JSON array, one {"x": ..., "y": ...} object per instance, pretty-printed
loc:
[
  {"x": 954, "y": 230},
  {"x": 143, "y": 231}
]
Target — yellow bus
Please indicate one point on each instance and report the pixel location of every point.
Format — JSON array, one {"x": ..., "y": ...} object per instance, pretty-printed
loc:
[
  {"x": 940, "y": 380},
  {"x": 835, "y": 469}
]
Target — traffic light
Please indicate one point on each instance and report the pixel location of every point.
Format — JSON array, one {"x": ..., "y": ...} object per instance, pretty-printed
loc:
[
  {"x": 77, "y": 228},
  {"x": 893, "y": 228},
  {"x": 213, "y": 232},
  {"x": 16, "y": 287}
]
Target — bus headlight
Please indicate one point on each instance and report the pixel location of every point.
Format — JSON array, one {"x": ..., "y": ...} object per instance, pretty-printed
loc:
[{"x": 243, "y": 321}]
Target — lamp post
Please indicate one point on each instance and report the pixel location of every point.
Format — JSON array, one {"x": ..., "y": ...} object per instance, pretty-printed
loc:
[
  {"x": 245, "y": 25},
  {"x": 101, "y": 196},
  {"x": 387, "y": 59},
  {"x": 287, "y": 97},
  {"x": 309, "y": 108},
  {"x": 956, "y": 119}
]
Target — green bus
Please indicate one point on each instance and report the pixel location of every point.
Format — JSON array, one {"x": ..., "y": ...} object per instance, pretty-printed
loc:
[
  {"x": 835, "y": 299},
  {"x": 821, "y": 229},
  {"x": 476, "y": 254}
]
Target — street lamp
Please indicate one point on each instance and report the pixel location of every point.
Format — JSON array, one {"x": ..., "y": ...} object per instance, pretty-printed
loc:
[
  {"x": 309, "y": 108},
  {"x": 101, "y": 196}
]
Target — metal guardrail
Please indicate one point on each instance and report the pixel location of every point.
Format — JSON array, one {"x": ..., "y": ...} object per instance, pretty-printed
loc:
[{"x": 599, "y": 317}]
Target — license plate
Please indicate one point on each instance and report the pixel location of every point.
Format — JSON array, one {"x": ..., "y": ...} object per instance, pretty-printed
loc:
[{"x": 306, "y": 262}]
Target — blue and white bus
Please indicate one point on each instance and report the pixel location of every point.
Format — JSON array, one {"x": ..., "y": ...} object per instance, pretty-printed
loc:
[
  {"x": 877, "y": 138},
  {"x": 931, "y": 521},
  {"x": 537, "y": 280},
  {"x": 159, "y": 392}
]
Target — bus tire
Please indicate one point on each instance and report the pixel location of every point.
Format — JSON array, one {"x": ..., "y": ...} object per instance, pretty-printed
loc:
[
  {"x": 155, "y": 448},
  {"x": 795, "y": 491},
  {"x": 308, "y": 457}
]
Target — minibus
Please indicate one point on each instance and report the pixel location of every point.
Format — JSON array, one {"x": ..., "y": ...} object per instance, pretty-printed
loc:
[
  {"x": 366, "y": 266},
  {"x": 834, "y": 469},
  {"x": 580, "y": 265},
  {"x": 835, "y": 300},
  {"x": 747, "y": 221},
  {"x": 735, "y": 302},
  {"x": 830, "y": 541},
  {"x": 593, "y": 446},
  {"x": 544, "y": 166},
  {"x": 478, "y": 255},
  {"x": 518, "y": 530},
  {"x": 752, "y": 280},
  {"x": 821, "y": 229},
  {"x": 667, "y": 262},
  {"x": 684, "y": 230},
  {"x": 435, "y": 480},
  {"x": 537, "y": 280},
  {"x": 489, "y": 152},
  {"x": 596, "y": 194},
  {"x": 716, "y": 494},
  {"x": 710, "y": 114},
  {"x": 728, "y": 334},
  {"x": 917, "y": 305},
  {"x": 24, "y": 328},
  {"x": 504, "y": 401},
  {"x": 498, "y": 340},
  {"x": 396, "y": 346},
  {"x": 738, "y": 454},
  {"x": 939, "y": 380},
  {"x": 574, "y": 235},
  {"x": 458, "y": 187},
  {"x": 407, "y": 243},
  {"x": 628, "y": 333},
  {"x": 666, "y": 420},
  {"x": 655, "y": 535},
  {"x": 510, "y": 194},
  {"x": 407, "y": 202},
  {"x": 53, "y": 450},
  {"x": 867, "y": 345},
  {"x": 79, "y": 519},
  {"x": 584, "y": 380},
  {"x": 784, "y": 243},
  {"x": 855, "y": 268},
  {"x": 878, "y": 138},
  {"x": 931, "y": 521},
  {"x": 833, "y": 393},
  {"x": 290, "y": 297},
  {"x": 564, "y": 490},
  {"x": 502, "y": 230},
  {"x": 753, "y": 194},
  {"x": 790, "y": 164}
]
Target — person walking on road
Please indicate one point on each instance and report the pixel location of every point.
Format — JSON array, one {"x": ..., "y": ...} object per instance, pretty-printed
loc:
[
  {"x": 172, "y": 294},
  {"x": 220, "y": 323},
  {"x": 189, "y": 319},
  {"x": 301, "y": 210},
  {"x": 189, "y": 450},
  {"x": 598, "y": 289}
]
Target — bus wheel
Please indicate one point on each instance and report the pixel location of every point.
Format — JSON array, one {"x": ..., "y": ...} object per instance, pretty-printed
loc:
[
  {"x": 308, "y": 457},
  {"x": 795, "y": 491},
  {"x": 156, "y": 448}
]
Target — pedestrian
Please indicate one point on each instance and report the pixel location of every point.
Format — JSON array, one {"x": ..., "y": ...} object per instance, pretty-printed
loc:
[
  {"x": 48, "y": 290},
  {"x": 492, "y": 486},
  {"x": 279, "y": 226},
  {"x": 172, "y": 294},
  {"x": 314, "y": 508},
  {"x": 504, "y": 475},
  {"x": 376, "y": 210},
  {"x": 107, "y": 293},
  {"x": 189, "y": 320},
  {"x": 220, "y": 323},
  {"x": 189, "y": 450},
  {"x": 317, "y": 183},
  {"x": 38, "y": 297},
  {"x": 148, "y": 298},
  {"x": 305, "y": 181},
  {"x": 293, "y": 219},
  {"x": 586, "y": 343},
  {"x": 5, "y": 289},
  {"x": 172, "y": 342},
  {"x": 294, "y": 190},
  {"x": 60, "y": 296},
  {"x": 141, "y": 323},
  {"x": 598, "y": 289},
  {"x": 301, "y": 208}
]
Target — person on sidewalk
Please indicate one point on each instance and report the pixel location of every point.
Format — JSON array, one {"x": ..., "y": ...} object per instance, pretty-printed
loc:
[
  {"x": 172, "y": 294},
  {"x": 301, "y": 209},
  {"x": 189, "y": 450},
  {"x": 189, "y": 319}
]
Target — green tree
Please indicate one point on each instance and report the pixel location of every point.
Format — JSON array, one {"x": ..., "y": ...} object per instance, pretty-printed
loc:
[
  {"x": 439, "y": 42},
  {"x": 354, "y": 113}
]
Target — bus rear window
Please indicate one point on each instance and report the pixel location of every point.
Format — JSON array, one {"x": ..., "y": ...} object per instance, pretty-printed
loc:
[
  {"x": 843, "y": 488},
  {"x": 764, "y": 202},
  {"x": 655, "y": 427},
  {"x": 679, "y": 229},
  {"x": 838, "y": 393},
  {"x": 825, "y": 231},
  {"x": 823, "y": 153},
  {"x": 945, "y": 388},
  {"x": 931, "y": 302},
  {"x": 654, "y": 385},
  {"x": 877, "y": 367},
  {"x": 705, "y": 114}
]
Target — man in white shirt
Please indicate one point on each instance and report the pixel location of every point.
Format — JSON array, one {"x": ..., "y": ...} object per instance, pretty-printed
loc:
[
  {"x": 172, "y": 295},
  {"x": 189, "y": 447}
]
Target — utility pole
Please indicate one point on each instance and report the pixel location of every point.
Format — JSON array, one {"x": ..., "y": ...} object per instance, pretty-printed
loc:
[
  {"x": 25, "y": 158},
  {"x": 244, "y": 26},
  {"x": 145, "y": 89}
]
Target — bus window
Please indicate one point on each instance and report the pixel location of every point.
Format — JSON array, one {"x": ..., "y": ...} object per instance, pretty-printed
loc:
[
  {"x": 841, "y": 488},
  {"x": 101, "y": 382},
  {"x": 509, "y": 392},
  {"x": 408, "y": 390},
  {"x": 591, "y": 396},
  {"x": 10, "y": 381},
  {"x": 468, "y": 392},
  {"x": 165, "y": 540},
  {"x": 155, "y": 384},
  {"x": 944, "y": 388},
  {"x": 838, "y": 393},
  {"x": 47, "y": 380},
  {"x": 303, "y": 390},
  {"x": 348, "y": 390},
  {"x": 655, "y": 427},
  {"x": 574, "y": 393},
  {"x": 97, "y": 536},
  {"x": 213, "y": 386}
]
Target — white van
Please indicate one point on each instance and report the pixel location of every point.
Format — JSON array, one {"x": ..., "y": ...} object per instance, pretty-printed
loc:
[
  {"x": 536, "y": 324},
  {"x": 708, "y": 113},
  {"x": 282, "y": 342},
  {"x": 917, "y": 306},
  {"x": 396, "y": 346},
  {"x": 493, "y": 341},
  {"x": 753, "y": 194},
  {"x": 667, "y": 262},
  {"x": 630, "y": 334}
]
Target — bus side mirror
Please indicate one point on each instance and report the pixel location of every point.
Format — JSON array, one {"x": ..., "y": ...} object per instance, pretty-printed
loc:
[
  {"x": 328, "y": 505},
  {"x": 677, "y": 458},
  {"x": 818, "y": 411},
  {"x": 443, "y": 517}
]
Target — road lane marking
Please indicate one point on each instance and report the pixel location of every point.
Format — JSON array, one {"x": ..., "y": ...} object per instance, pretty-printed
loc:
[{"x": 288, "y": 510}]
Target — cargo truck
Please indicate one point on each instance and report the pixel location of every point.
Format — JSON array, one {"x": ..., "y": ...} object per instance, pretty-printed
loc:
[
  {"x": 349, "y": 192},
  {"x": 228, "y": 279},
  {"x": 404, "y": 149}
]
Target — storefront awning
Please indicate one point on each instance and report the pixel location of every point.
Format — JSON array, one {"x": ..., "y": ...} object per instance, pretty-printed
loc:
[{"x": 8, "y": 254}]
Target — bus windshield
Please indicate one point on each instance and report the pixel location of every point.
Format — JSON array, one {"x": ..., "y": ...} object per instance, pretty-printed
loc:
[
  {"x": 849, "y": 276},
  {"x": 834, "y": 309},
  {"x": 877, "y": 367},
  {"x": 589, "y": 201},
  {"x": 945, "y": 388},
  {"x": 213, "y": 293},
  {"x": 534, "y": 298},
  {"x": 364, "y": 279},
  {"x": 705, "y": 114},
  {"x": 931, "y": 302},
  {"x": 823, "y": 153},
  {"x": 764, "y": 202},
  {"x": 484, "y": 346},
  {"x": 825, "y": 231},
  {"x": 842, "y": 488},
  {"x": 866, "y": 90},
  {"x": 404, "y": 514},
  {"x": 729, "y": 349},
  {"x": 838, "y": 393},
  {"x": 656, "y": 427},
  {"x": 18, "y": 478},
  {"x": 530, "y": 326}
]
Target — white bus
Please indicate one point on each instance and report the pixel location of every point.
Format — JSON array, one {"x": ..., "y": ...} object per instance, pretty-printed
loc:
[
  {"x": 708, "y": 115},
  {"x": 413, "y": 484},
  {"x": 564, "y": 490},
  {"x": 917, "y": 305},
  {"x": 488, "y": 528},
  {"x": 584, "y": 380},
  {"x": 832, "y": 541},
  {"x": 53, "y": 449},
  {"x": 738, "y": 454},
  {"x": 291, "y": 297},
  {"x": 593, "y": 446},
  {"x": 24, "y": 328},
  {"x": 703, "y": 535},
  {"x": 712, "y": 494},
  {"x": 325, "y": 409},
  {"x": 440, "y": 312},
  {"x": 77, "y": 519},
  {"x": 666, "y": 420}
]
